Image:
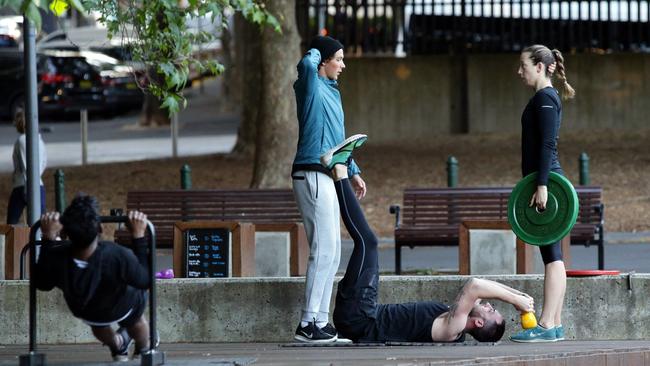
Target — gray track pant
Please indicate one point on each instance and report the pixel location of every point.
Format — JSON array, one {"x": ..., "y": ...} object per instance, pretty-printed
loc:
[{"x": 319, "y": 207}]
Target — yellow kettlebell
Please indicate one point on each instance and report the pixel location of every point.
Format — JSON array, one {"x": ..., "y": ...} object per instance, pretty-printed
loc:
[{"x": 528, "y": 320}]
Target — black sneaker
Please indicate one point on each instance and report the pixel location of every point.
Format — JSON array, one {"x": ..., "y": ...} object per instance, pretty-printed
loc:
[
  {"x": 312, "y": 334},
  {"x": 122, "y": 354},
  {"x": 329, "y": 330}
]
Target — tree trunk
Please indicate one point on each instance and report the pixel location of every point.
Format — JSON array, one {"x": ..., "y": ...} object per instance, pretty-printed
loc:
[
  {"x": 249, "y": 74},
  {"x": 152, "y": 114},
  {"x": 230, "y": 96},
  {"x": 277, "y": 129}
]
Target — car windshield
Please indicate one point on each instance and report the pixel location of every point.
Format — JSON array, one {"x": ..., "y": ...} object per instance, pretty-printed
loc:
[{"x": 100, "y": 61}]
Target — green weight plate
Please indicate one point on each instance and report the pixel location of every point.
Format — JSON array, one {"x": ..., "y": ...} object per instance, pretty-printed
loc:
[{"x": 553, "y": 223}]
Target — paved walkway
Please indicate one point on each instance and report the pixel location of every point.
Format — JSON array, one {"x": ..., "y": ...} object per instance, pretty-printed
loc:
[{"x": 592, "y": 353}]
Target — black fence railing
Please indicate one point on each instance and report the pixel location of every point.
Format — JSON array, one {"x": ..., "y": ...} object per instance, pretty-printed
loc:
[{"x": 400, "y": 27}]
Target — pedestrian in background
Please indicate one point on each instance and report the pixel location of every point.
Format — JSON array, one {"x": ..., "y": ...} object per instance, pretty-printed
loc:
[{"x": 18, "y": 197}]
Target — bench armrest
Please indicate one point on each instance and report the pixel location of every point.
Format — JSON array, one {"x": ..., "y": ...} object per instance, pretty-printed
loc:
[
  {"x": 600, "y": 209},
  {"x": 395, "y": 210}
]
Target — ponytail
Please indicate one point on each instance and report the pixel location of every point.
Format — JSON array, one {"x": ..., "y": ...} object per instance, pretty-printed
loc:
[{"x": 567, "y": 90}]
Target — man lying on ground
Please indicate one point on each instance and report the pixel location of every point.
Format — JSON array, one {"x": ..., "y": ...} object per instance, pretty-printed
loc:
[{"x": 357, "y": 315}]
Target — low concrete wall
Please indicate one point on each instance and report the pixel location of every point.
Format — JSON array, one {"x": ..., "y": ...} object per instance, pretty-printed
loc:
[
  {"x": 268, "y": 309},
  {"x": 416, "y": 98}
]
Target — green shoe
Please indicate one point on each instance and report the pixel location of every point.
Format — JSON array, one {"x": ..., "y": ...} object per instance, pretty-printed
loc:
[
  {"x": 559, "y": 333},
  {"x": 341, "y": 153},
  {"x": 537, "y": 334}
]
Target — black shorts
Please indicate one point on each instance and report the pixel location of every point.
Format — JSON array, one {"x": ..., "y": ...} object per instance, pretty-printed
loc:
[
  {"x": 552, "y": 252},
  {"x": 133, "y": 317}
]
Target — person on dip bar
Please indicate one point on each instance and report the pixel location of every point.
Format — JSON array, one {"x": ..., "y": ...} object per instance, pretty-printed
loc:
[{"x": 102, "y": 283}]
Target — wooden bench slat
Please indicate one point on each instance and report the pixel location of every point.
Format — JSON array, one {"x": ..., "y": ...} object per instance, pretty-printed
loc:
[{"x": 164, "y": 208}]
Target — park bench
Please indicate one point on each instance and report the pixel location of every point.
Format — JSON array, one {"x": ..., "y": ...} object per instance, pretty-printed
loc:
[
  {"x": 267, "y": 209},
  {"x": 432, "y": 216}
]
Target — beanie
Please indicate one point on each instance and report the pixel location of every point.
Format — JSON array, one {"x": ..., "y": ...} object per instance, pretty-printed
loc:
[{"x": 327, "y": 46}]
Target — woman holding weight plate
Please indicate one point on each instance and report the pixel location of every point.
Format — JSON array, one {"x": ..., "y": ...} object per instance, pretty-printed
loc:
[{"x": 540, "y": 124}]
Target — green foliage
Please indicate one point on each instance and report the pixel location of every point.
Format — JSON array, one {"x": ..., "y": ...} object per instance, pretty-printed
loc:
[{"x": 157, "y": 34}]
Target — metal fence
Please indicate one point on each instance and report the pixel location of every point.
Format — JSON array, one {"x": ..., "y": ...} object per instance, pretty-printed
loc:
[{"x": 400, "y": 27}]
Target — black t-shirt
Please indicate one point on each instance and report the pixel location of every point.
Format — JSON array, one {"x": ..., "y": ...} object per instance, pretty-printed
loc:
[
  {"x": 111, "y": 284},
  {"x": 540, "y": 124},
  {"x": 408, "y": 322}
]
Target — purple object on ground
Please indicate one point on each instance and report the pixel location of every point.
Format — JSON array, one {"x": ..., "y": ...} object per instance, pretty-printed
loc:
[{"x": 165, "y": 274}]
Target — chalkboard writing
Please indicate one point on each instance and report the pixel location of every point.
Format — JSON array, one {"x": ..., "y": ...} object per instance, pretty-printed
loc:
[{"x": 207, "y": 252}]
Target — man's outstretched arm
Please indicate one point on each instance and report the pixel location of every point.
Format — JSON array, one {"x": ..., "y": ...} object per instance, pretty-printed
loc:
[{"x": 475, "y": 290}]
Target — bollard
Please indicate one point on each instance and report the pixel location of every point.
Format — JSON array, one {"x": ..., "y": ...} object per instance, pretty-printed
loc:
[
  {"x": 59, "y": 190},
  {"x": 186, "y": 177},
  {"x": 452, "y": 172},
  {"x": 584, "y": 169}
]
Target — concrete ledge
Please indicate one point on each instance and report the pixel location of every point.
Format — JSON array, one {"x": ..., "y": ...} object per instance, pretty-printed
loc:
[{"x": 267, "y": 309}]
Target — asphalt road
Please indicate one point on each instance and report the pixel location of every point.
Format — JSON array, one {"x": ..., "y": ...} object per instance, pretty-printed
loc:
[{"x": 202, "y": 130}]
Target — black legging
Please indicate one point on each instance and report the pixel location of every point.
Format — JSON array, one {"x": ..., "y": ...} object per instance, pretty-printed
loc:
[
  {"x": 364, "y": 255},
  {"x": 356, "y": 296}
]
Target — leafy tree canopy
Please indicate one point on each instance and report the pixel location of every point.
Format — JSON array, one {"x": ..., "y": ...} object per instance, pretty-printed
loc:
[{"x": 158, "y": 34}]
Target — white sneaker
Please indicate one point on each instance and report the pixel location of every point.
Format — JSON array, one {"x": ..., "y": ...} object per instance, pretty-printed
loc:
[{"x": 340, "y": 154}]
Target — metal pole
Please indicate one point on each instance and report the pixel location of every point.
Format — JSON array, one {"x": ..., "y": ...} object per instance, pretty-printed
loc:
[
  {"x": 33, "y": 176},
  {"x": 175, "y": 135},
  {"x": 31, "y": 124},
  {"x": 59, "y": 190},
  {"x": 84, "y": 136}
]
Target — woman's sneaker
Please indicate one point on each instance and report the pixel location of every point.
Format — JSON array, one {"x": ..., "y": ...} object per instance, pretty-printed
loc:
[
  {"x": 533, "y": 335},
  {"x": 122, "y": 354},
  {"x": 559, "y": 333},
  {"x": 340, "y": 154},
  {"x": 312, "y": 334}
]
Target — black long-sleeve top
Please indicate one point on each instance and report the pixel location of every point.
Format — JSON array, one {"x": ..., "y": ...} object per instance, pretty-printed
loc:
[
  {"x": 540, "y": 124},
  {"x": 106, "y": 289}
]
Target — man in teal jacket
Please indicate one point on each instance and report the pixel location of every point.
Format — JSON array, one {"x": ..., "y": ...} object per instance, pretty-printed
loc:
[{"x": 321, "y": 128}]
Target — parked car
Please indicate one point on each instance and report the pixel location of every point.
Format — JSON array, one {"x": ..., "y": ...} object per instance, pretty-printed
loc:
[
  {"x": 69, "y": 81},
  {"x": 11, "y": 82},
  {"x": 11, "y": 31},
  {"x": 121, "y": 82}
]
